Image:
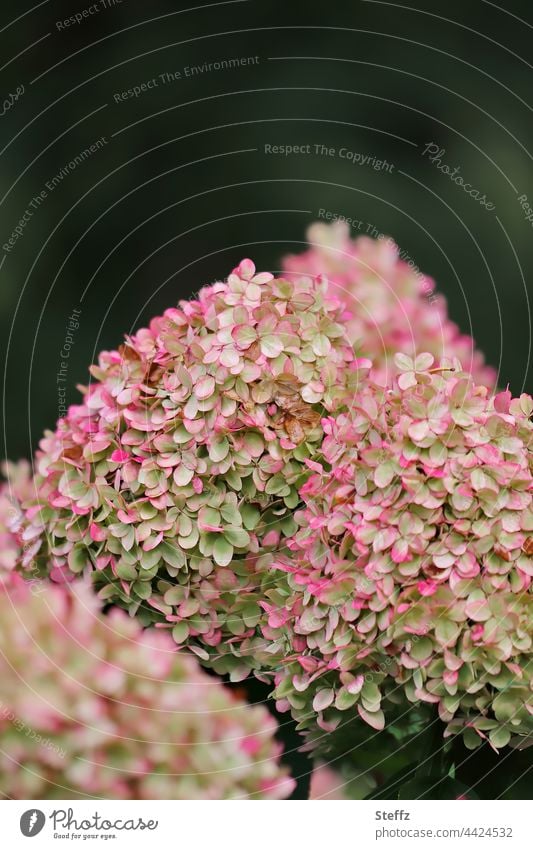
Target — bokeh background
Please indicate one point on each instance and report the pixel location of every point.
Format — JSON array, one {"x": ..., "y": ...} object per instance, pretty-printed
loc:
[{"x": 181, "y": 187}]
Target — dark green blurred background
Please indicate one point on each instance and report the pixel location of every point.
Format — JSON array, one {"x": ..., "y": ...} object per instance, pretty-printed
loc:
[
  {"x": 185, "y": 189},
  {"x": 181, "y": 189}
]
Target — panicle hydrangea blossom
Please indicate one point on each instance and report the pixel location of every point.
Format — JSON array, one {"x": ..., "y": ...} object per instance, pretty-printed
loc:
[
  {"x": 93, "y": 706},
  {"x": 393, "y": 307},
  {"x": 411, "y": 572},
  {"x": 181, "y": 467}
]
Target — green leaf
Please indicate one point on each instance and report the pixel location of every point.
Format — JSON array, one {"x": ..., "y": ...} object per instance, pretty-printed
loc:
[
  {"x": 180, "y": 632},
  {"x": 471, "y": 739},
  {"x": 108, "y": 592},
  {"x": 218, "y": 449},
  {"x": 244, "y": 335},
  {"x": 422, "y": 649},
  {"x": 147, "y": 510},
  {"x": 271, "y": 346},
  {"x": 142, "y": 589},
  {"x": 384, "y": 474},
  {"x": 250, "y": 516},
  {"x": 171, "y": 554},
  {"x": 222, "y": 551},
  {"x": 345, "y": 700},
  {"x": 231, "y": 514},
  {"x": 254, "y": 444},
  {"x": 181, "y": 436},
  {"x": 321, "y": 345},
  {"x": 500, "y": 737},
  {"x": 190, "y": 540},
  {"x": 126, "y": 571},
  {"x": 233, "y": 479},
  {"x": 323, "y": 699},
  {"x": 235, "y": 626},
  {"x": 174, "y": 595},
  {"x": 238, "y": 537},
  {"x": 149, "y": 559},
  {"x": 277, "y": 485},
  {"x": 376, "y": 719},
  {"x": 446, "y": 632},
  {"x": 209, "y": 516},
  {"x": 371, "y": 694},
  {"x": 288, "y": 525},
  {"x": 78, "y": 558},
  {"x": 504, "y": 706},
  {"x": 283, "y": 689},
  {"x": 183, "y": 475},
  {"x": 291, "y": 500},
  {"x": 251, "y": 614}
]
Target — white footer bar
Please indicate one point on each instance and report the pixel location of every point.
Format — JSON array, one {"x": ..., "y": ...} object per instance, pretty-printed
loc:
[{"x": 267, "y": 825}]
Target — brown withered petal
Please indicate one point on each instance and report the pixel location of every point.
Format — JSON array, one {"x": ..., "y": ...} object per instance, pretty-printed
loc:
[
  {"x": 527, "y": 548},
  {"x": 154, "y": 374},
  {"x": 294, "y": 429},
  {"x": 287, "y": 384},
  {"x": 503, "y": 553},
  {"x": 128, "y": 353},
  {"x": 253, "y": 352},
  {"x": 286, "y": 402},
  {"x": 73, "y": 453},
  {"x": 294, "y": 405}
]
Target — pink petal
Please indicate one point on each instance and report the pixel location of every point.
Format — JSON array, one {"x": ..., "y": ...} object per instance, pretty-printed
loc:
[
  {"x": 502, "y": 401},
  {"x": 204, "y": 387},
  {"x": 97, "y": 532}
]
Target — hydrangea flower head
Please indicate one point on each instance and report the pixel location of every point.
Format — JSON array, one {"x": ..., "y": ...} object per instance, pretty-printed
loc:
[
  {"x": 93, "y": 706},
  {"x": 392, "y": 307},
  {"x": 182, "y": 465},
  {"x": 411, "y": 572}
]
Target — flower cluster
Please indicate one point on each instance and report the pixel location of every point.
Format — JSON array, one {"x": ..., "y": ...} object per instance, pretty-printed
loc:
[
  {"x": 182, "y": 466},
  {"x": 92, "y": 706},
  {"x": 411, "y": 571},
  {"x": 393, "y": 307},
  {"x": 231, "y": 479}
]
